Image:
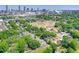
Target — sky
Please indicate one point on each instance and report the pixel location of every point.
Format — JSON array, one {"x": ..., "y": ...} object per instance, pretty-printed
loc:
[{"x": 58, "y": 7}]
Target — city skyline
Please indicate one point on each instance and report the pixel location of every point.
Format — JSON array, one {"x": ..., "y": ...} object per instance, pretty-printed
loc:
[{"x": 58, "y": 7}]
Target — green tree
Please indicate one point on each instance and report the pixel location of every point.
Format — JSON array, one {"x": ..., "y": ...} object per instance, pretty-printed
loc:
[
  {"x": 65, "y": 42},
  {"x": 70, "y": 50},
  {"x": 54, "y": 46},
  {"x": 22, "y": 21},
  {"x": 48, "y": 50},
  {"x": 20, "y": 45},
  {"x": 45, "y": 16},
  {"x": 74, "y": 44},
  {"x": 47, "y": 34},
  {"x": 27, "y": 38},
  {"x": 7, "y": 33},
  {"x": 3, "y": 35},
  {"x": 13, "y": 24},
  {"x": 3, "y": 46},
  {"x": 33, "y": 44},
  {"x": 75, "y": 34}
]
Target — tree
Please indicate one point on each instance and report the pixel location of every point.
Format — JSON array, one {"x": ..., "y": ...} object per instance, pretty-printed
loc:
[
  {"x": 33, "y": 44},
  {"x": 21, "y": 45},
  {"x": 57, "y": 24},
  {"x": 27, "y": 38},
  {"x": 12, "y": 32},
  {"x": 7, "y": 33},
  {"x": 13, "y": 24},
  {"x": 48, "y": 49},
  {"x": 74, "y": 44},
  {"x": 70, "y": 50},
  {"x": 75, "y": 34},
  {"x": 47, "y": 34},
  {"x": 65, "y": 42},
  {"x": 66, "y": 27},
  {"x": 22, "y": 21},
  {"x": 3, "y": 46},
  {"x": 62, "y": 49},
  {"x": 3, "y": 35},
  {"x": 45, "y": 16},
  {"x": 54, "y": 46}
]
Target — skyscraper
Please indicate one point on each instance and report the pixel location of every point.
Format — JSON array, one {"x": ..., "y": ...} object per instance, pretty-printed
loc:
[
  {"x": 19, "y": 8},
  {"x": 37, "y": 9},
  {"x": 31, "y": 9},
  {"x": 6, "y": 8},
  {"x": 24, "y": 9},
  {"x": 27, "y": 9},
  {"x": 44, "y": 10}
]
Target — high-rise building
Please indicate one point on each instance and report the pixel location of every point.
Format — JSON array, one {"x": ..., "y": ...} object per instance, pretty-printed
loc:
[
  {"x": 24, "y": 9},
  {"x": 31, "y": 9},
  {"x": 6, "y": 8},
  {"x": 37, "y": 9},
  {"x": 19, "y": 8},
  {"x": 27, "y": 9},
  {"x": 44, "y": 10}
]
